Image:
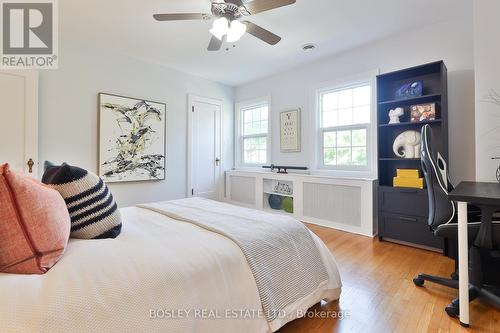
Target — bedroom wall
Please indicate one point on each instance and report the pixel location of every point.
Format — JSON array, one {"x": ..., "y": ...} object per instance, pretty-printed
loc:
[
  {"x": 487, "y": 66},
  {"x": 450, "y": 41},
  {"x": 68, "y": 128}
]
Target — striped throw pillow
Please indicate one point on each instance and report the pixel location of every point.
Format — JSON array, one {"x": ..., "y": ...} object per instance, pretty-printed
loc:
[{"x": 93, "y": 211}]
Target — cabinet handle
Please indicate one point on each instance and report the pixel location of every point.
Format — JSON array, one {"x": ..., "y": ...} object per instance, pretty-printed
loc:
[
  {"x": 408, "y": 219},
  {"x": 407, "y": 191}
]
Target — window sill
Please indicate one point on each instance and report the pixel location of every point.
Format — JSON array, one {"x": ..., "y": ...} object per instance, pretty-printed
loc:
[{"x": 347, "y": 174}]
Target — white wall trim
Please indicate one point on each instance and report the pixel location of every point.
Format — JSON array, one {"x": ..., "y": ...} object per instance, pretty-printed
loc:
[{"x": 192, "y": 99}]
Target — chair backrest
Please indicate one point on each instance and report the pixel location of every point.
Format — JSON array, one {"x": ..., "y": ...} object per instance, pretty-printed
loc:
[{"x": 434, "y": 167}]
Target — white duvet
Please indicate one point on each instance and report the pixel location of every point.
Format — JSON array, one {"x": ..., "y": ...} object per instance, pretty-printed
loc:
[{"x": 159, "y": 275}]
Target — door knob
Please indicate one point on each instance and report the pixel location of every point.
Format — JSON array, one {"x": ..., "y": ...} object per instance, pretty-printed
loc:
[
  {"x": 30, "y": 165},
  {"x": 217, "y": 161}
]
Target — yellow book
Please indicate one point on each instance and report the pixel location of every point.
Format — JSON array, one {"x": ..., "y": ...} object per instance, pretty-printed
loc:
[
  {"x": 409, "y": 182},
  {"x": 408, "y": 173}
]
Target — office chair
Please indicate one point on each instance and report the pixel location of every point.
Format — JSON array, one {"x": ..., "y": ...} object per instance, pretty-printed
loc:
[{"x": 483, "y": 233}]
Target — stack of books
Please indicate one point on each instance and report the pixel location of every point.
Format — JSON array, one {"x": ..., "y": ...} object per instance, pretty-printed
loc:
[{"x": 408, "y": 178}]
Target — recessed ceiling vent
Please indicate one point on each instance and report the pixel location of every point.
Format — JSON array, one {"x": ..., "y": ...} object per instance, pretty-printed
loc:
[{"x": 308, "y": 47}]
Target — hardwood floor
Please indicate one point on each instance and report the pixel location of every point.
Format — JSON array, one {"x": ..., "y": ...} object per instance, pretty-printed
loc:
[{"x": 378, "y": 294}]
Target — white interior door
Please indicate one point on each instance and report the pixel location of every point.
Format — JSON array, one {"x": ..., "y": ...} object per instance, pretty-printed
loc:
[
  {"x": 19, "y": 120},
  {"x": 204, "y": 174}
]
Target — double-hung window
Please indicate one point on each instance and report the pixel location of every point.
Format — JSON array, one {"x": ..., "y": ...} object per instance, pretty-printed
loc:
[
  {"x": 344, "y": 127},
  {"x": 254, "y": 134}
]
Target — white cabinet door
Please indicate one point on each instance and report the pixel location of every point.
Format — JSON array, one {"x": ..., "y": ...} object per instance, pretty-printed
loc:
[
  {"x": 204, "y": 174},
  {"x": 19, "y": 120}
]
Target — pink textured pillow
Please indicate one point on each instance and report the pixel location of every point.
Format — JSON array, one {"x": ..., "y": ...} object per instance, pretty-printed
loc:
[{"x": 34, "y": 224}]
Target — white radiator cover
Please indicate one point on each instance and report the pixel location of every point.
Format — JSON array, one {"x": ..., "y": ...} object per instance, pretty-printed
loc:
[
  {"x": 333, "y": 202},
  {"x": 242, "y": 189},
  {"x": 346, "y": 204}
]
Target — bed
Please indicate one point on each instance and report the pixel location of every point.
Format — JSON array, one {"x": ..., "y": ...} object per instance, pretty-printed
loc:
[{"x": 160, "y": 275}]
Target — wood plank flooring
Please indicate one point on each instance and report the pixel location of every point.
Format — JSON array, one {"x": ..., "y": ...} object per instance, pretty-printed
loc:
[{"x": 378, "y": 294}]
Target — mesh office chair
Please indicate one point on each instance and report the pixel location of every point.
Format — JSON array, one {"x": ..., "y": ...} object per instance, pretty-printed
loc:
[{"x": 483, "y": 233}]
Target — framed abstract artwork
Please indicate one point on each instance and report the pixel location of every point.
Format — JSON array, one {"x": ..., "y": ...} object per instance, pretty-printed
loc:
[
  {"x": 290, "y": 131},
  {"x": 132, "y": 139}
]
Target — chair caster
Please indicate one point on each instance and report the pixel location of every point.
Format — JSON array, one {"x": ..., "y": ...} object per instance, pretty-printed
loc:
[
  {"x": 452, "y": 310},
  {"x": 454, "y": 276},
  {"x": 418, "y": 282}
]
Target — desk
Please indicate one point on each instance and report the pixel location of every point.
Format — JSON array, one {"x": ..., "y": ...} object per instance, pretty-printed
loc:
[{"x": 486, "y": 196}]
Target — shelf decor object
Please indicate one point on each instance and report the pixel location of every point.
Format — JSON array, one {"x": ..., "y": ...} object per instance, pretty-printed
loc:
[
  {"x": 283, "y": 169},
  {"x": 395, "y": 114},
  {"x": 407, "y": 144},
  {"x": 290, "y": 131},
  {"x": 288, "y": 205},
  {"x": 403, "y": 211},
  {"x": 423, "y": 112},
  {"x": 412, "y": 89},
  {"x": 275, "y": 201}
]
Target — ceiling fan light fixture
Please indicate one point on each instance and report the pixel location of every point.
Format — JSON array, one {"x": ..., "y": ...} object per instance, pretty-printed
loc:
[
  {"x": 236, "y": 31},
  {"x": 220, "y": 28}
]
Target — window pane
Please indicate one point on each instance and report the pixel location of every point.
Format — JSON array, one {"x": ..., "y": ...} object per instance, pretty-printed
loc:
[
  {"x": 255, "y": 150},
  {"x": 329, "y": 139},
  {"x": 329, "y": 156},
  {"x": 255, "y": 120},
  {"x": 359, "y": 156},
  {"x": 362, "y": 96},
  {"x": 329, "y": 119},
  {"x": 345, "y": 98},
  {"x": 344, "y": 138},
  {"x": 359, "y": 138},
  {"x": 361, "y": 115},
  {"x": 329, "y": 101},
  {"x": 344, "y": 156},
  {"x": 345, "y": 117}
]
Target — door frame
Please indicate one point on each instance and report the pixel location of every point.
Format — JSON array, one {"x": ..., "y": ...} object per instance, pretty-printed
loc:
[
  {"x": 192, "y": 99},
  {"x": 30, "y": 116}
]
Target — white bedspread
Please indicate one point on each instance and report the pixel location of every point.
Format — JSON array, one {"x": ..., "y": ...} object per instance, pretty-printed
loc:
[{"x": 157, "y": 268}]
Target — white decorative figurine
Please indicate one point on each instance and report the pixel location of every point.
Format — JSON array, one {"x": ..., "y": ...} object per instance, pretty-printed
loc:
[
  {"x": 395, "y": 114},
  {"x": 407, "y": 145}
]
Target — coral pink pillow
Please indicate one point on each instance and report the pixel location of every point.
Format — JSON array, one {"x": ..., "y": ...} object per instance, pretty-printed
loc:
[{"x": 34, "y": 224}]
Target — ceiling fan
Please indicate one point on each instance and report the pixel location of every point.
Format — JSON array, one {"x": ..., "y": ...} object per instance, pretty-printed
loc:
[{"x": 229, "y": 24}]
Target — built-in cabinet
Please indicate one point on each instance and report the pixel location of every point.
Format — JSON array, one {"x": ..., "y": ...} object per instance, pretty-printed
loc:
[{"x": 342, "y": 203}]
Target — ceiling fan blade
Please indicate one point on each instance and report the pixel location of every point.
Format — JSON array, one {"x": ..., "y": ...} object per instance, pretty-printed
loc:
[
  {"x": 258, "y": 6},
  {"x": 236, "y": 2},
  {"x": 261, "y": 33},
  {"x": 215, "y": 44},
  {"x": 181, "y": 17}
]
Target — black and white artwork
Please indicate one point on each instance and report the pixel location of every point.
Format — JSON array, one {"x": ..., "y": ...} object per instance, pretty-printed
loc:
[{"x": 132, "y": 139}]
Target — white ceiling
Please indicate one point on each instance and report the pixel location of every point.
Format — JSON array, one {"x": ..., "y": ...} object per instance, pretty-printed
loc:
[{"x": 333, "y": 25}]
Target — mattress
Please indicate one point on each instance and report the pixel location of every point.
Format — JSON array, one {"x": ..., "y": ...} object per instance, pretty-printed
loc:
[{"x": 159, "y": 275}]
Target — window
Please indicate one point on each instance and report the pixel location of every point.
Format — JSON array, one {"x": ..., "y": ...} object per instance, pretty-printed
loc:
[
  {"x": 344, "y": 127},
  {"x": 254, "y": 134}
]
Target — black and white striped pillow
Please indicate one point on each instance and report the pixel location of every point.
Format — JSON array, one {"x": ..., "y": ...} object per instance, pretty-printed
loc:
[{"x": 93, "y": 211}]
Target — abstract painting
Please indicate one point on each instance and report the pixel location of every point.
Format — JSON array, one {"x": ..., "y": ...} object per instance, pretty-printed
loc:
[{"x": 132, "y": 141}]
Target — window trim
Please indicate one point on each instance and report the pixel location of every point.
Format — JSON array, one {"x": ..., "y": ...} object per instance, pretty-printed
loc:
[
  {"x": 239, "y": 138},
  {"x": 368, "y": 171}
]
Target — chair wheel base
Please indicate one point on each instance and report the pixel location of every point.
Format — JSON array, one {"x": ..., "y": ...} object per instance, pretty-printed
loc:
[
  {"x": 418, "y": 282},
  {"x": 452, "y": 311}
]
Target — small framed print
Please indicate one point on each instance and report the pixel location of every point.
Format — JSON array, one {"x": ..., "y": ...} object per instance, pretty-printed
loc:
[{"x": 290, "y": 131}]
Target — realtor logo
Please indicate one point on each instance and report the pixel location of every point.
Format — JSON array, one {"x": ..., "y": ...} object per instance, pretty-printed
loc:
[{"x": 29, "y": 34}]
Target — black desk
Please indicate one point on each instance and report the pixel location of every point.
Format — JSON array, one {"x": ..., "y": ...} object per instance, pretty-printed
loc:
[{"x": 486, "y": 196}]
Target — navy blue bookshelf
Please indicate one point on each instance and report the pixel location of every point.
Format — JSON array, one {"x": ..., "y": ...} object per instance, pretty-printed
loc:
[{"x": 403, "y": 212}]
